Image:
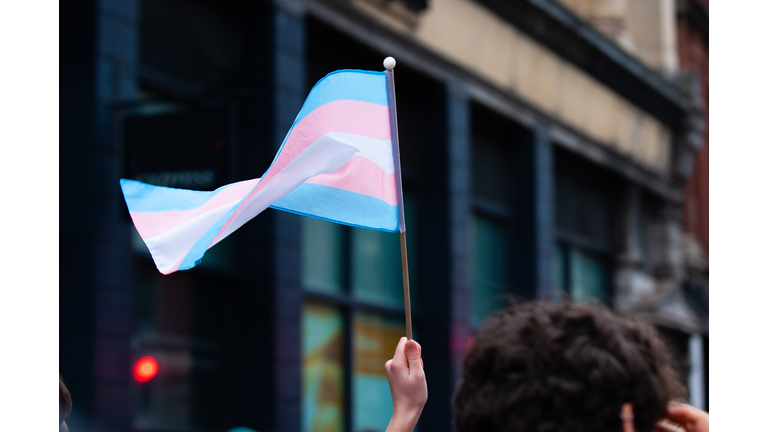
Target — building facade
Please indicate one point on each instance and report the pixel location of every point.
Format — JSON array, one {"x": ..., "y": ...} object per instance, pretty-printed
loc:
[{"x": 546, "y": 148}]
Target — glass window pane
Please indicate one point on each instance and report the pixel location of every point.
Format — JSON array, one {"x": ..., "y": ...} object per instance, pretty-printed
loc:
[
  {"x": 487, "y": 267},
  {"x": 412, "y": 231},
  {"x": 377, "y": 272},
  {"x": 321, "y": 259},
  {"x": 376, "y": 267},
  {"x": 376, "y": 338},
  {"x": 559, "y": 269},
  {"x": 590, "y": 277},
  {"x": 322, "y": 340}
]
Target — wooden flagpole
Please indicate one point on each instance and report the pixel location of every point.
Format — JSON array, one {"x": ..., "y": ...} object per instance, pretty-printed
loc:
[
  {"x": 406, "y": 288},
  {"x": 389, "y": 65}
]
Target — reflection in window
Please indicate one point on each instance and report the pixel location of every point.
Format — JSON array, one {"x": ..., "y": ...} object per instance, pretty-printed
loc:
[
  {"x": 488, "y": 258},
  {"x": 321, "y": 260},
  {"x": 375, "y": 341},
  {"x": 322, "y": 387}
]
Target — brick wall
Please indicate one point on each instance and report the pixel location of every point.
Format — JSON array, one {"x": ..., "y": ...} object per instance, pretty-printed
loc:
[{"x": 694, "y": 55}]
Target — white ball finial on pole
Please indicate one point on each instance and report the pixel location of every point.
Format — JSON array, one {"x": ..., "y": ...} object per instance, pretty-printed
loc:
[{"x": 389, "y": 63}]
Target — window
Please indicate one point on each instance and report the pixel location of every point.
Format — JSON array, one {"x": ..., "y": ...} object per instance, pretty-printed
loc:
[
  {"x": 352, "y": 320},
  {"x": 322, "y": 248},
  {"x": 377, "y": 267},
  {"x": 584, "y": 224},
  {"x": 589, "y": 277},
  {"x": 488, "y": 269},
  {"x": 649, "y": 224},
  {"x": 496, "y": 146},
  {"x": 582, "y": 274}
]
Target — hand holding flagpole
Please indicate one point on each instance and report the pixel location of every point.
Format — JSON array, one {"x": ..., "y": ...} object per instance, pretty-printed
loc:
[{"x": 389, "y": 64}]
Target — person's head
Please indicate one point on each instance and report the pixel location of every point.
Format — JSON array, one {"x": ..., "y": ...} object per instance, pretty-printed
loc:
[
  {"x": 539, "y": 367},
  {"x": 65, "y": 402}
]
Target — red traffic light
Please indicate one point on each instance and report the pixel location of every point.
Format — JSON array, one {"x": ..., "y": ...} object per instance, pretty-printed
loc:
[{"x": 145, "y": 369}]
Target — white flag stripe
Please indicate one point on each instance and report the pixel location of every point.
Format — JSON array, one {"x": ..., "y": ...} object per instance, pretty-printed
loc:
[{"x": 173, "y": 245}]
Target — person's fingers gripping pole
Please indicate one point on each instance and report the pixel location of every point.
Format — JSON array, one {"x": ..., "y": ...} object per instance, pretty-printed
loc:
[{"x": 407, "y": 384}]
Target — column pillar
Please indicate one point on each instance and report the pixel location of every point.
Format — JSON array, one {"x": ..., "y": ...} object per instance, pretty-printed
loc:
[
  {"x": 696, "y": 381},
  {"x": 544, "y": 211},
  {"x": 265, "y": 378},
  {"x": 459, "y": 208},
  {"x": 628, "y": 280},
  {"x": 532, "y": 231},
  {"x": 289, "y": 94},
  {"x": 95, "y": 256}
]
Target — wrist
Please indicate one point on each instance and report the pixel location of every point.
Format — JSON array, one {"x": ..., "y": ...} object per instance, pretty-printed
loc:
[{"x": 404, "y": 420}]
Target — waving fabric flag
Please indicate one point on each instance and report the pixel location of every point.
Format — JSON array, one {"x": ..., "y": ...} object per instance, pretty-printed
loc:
[{"x": 336, "y": 163}]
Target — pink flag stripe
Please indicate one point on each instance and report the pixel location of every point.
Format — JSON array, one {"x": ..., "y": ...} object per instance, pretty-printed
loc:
[
  {"x": 362, "y": 176},
  {"x": 150, "y": 224},
  {"x": 343, "y": 116},
  {"x": 327, "y": 154}
]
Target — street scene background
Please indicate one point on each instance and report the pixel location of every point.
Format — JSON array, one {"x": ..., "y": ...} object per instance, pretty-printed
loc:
[{"x": 548, "y": 148}]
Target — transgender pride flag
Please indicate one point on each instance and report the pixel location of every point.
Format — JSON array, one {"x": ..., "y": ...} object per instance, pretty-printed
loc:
[{"x": 337, "y": 163}]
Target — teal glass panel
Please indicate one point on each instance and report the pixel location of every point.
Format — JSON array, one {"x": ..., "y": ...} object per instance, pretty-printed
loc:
[
  {"x": 377, "y": 272},
  {"x": 375, "y": 341},
  {"x": 376, "y": 267},
  {"x": 559, "y": 271},
  {"x": 322, "y": 387},
  {"x": 488, "y": 262},
  {"x": 589, "y": 278},
  {"x": 321, "y": 255}
]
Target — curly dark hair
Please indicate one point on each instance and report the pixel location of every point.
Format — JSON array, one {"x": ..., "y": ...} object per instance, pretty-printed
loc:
[{"x": 542, "y": 367}]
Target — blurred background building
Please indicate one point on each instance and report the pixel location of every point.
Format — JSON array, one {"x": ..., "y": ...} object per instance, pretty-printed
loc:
[{"x": 546, "y": 146}]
